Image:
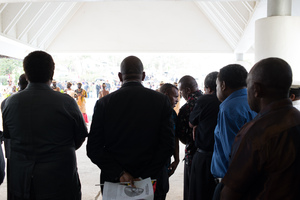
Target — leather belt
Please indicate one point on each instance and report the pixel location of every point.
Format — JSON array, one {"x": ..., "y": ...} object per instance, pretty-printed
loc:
[{"x": 202, "y": 151}]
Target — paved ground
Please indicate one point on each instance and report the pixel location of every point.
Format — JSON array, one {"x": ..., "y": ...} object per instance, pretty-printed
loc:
[{"x": 90, "y": 173}]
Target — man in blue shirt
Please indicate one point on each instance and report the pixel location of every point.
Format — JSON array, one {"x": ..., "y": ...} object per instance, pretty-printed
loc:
[{"x": 233, "y": 114}]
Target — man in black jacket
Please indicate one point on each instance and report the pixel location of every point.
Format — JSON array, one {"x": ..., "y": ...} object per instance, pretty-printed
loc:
[
  {"x": 132, "y": 134},
  {"x": 45, "y": 128}
]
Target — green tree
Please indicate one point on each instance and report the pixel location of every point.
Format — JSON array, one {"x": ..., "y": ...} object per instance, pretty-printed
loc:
[{"x": 10, "y": 67}]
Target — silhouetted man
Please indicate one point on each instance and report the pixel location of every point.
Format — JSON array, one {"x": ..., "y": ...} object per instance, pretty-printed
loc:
[
  {"x": 132, "y": 132},
  {"x": 189, "y": 91},
  {"x": 45, "y": 128},
  {"x": 162, "y": 186},
  {"x": 204, "y": 120}
]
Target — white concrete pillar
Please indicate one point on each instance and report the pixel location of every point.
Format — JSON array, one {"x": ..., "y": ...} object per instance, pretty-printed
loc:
[{"x": 279, "y": 36}]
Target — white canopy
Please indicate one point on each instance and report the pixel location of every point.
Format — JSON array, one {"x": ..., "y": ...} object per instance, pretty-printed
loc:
[{"x": 84, "y": 26}]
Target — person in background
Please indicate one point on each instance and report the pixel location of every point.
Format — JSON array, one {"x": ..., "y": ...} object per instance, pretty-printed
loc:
[
  {"x": 177, "y": 106},
  {"x": 265, "y": 157},
  {"x": 188, "y": 88},
  {"x": 22, "y": 82},
  {"x": 45, "y": 128},
  {"x": 55, "y": 87},
  {"x": 103, "y": 92},
  {"x": 162, "y": 186},
  {"x": 234, "y": 112},
  {"x": 9, "y": 88},
  {"x": 80, "y": 95},
  {"x": 98, "y": 87},
  {"x": 294, "y": 95},
  {"x": 86, "y": 87},
  {"x": 132, "y": 130},
  {"x": 69, "y": 90},
  {"x": 203, "y": 119}
]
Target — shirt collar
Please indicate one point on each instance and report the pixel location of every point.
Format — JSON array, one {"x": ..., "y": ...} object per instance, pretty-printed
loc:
[
  {"x": 38, "y": 86},
  {"x": 132, "y": 83},
  {"x": 195, "y": 94},
  {"x": 237, "y": 93},
  {"x": 275, "y": 106}
]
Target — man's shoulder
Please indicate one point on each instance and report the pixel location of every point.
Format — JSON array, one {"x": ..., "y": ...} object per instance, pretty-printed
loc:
[
  {"x": 235, "y": 103},
  {"x": 140, "y": 90},
  {"x": 212, "y": 98}
]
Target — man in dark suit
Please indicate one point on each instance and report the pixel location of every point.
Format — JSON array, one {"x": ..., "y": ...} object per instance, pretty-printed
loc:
[
  {"x": 132, "y": 131},
  {"x": 45, "y": 128}
]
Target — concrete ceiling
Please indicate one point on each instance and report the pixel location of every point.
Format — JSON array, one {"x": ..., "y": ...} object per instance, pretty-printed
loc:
[{"x": 110, "y": 26}]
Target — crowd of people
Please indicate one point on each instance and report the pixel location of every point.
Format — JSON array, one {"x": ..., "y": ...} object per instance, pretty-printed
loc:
[{"x": 241, "y": 134}]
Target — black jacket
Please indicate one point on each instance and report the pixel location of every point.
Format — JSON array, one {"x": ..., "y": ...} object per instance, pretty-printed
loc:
[
  {"x": 45, "y": 128},
  {"x": 132, "y": 130}
]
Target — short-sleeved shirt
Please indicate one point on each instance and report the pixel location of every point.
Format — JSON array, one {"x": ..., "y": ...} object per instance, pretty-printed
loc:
[
  {"x": 233, "y": 114},
  {"x": 204, "y": 116},
  {"x": 266, "y": 155}
]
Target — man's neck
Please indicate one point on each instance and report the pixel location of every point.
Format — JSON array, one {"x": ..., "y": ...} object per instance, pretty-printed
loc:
[{"x": 133, "y": 80}]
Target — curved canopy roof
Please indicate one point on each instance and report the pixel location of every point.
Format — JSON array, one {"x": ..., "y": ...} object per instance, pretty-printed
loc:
[{"x": 84, "y": 26}]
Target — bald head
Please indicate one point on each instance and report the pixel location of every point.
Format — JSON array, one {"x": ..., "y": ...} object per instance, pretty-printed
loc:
[
  {"x": 274, "y": 73},
  {"x": 132, "y": 68},
  {"x": 187, "y": 85},
  {"x": 188, "y": 81},
  {"x": 269, "y": 80}
]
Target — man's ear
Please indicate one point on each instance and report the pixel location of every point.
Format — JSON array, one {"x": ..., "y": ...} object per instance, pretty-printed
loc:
[
  {"x": 223, "y": 86},
  {"x": 292, "y": 97},
  {"x": 188, "y": 90},
  {"x": 120, "y": 76},
  {"x": 143, "y": 76},
  {"x": 258, "y": 90},
  {"x": 209, "y": 90}
]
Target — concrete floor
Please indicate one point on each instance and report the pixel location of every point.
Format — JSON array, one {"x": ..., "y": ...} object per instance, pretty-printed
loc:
[{"x": 90, "y": 174}]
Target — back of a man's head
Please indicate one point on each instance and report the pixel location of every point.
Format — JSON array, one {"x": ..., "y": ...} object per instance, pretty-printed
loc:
[
  {"x": 132, "y": 67},
  {"x": 234, "y": 76},
  {"x": 188, "y": 81},
  {"x": 167, "y": 87},
  {"x": 22, "y": 82},
  {"x": 210, "y": 81},
  {"x": 38, "y": 67},
  {"x": 275, "y": 74}
]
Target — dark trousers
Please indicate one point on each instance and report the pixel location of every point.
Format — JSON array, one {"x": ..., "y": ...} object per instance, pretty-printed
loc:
[
  {"x": 75, "y": 195},
  {"x": 162, "y": 185},
  {"x": 186, "y": 178},
  {"x": 202, "y": 183},
  {"x": 217, "y": 193}
]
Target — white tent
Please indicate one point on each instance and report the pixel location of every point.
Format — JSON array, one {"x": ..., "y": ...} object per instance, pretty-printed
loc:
[{"x": 82, "y": 26}]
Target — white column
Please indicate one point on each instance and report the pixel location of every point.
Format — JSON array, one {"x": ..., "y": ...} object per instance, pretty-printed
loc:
[{"x": 279, "y": 36}]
